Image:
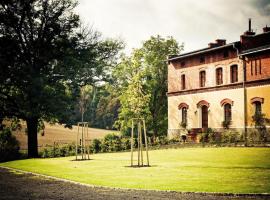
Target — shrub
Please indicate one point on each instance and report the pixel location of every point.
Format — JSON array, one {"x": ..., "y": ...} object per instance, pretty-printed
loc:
[
  {"x": 95, "y": 146},
  {"x": 125, "y": 143},
  {"x": 9, "y": 146},
  {"x": 226, "y": 124},
  {"x": 58, "y": 151},
  {"x": 253, "y": 136},
  {"x": 163, "y": 140},
  {"x": 230, "y": 136},
  {"x": 111, "y": 143},
  {"x": 214, "y": 137}
]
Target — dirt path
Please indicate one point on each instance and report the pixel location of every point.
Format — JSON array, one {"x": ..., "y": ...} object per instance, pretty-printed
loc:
[{"x": 14, "y": 185}]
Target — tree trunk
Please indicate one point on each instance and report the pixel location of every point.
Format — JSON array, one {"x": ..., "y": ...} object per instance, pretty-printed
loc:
[{"x": 32, "y": 125}]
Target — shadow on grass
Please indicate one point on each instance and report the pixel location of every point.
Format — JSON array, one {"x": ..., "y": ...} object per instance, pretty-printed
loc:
[
  {"x": 231, "y": 167},
  {"x": 136, "y": 166},
  {"x": 79, "y": 160}
]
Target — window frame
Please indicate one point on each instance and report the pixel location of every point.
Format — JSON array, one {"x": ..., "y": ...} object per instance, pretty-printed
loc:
[
  {"x": 219, "y": 77},
  {"x": 227, "y": 112},
  {"x": 183, "y": 82},
  {"x": 184, "y": 115},
  {"x": 258, "y": 107},
  {"x": 202, "y": 78},
  {"x": 234, "y": 73}
]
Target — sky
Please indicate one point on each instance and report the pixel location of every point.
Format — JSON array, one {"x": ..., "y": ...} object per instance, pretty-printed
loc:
[{"x": 192, "y": 22}]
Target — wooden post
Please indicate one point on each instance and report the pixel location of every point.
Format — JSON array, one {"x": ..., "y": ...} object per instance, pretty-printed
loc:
[
  {"x": 131, "y": 142},
  {"x": 140, "y": 122},
  {"x": 88, "y": 149},
  {"x": 77, "y": 142},
  {"x": 141, "y": 144},
  {"x": 146, "y": 145},
  {"x": 53, "y": 149},
  {"x": 82, "y": 141}
]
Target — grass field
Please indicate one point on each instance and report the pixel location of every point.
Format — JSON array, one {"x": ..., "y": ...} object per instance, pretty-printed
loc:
[
  {"x": 57, "y": 133},
  {"x": 229, "y": 170}
]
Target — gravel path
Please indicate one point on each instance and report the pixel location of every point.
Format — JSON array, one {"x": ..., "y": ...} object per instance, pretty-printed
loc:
[{"x": 22, "y": 186}]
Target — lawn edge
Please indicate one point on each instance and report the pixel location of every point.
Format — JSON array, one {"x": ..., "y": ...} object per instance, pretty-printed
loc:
[{"x": 129, "y": 189}]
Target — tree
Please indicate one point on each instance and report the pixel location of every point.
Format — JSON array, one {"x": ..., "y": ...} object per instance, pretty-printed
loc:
[
  {"x": 85, "y": 98},
  {"x": 155, "y": 53},
  {"x": 134, "y": 98},
  {"x": 146, "y": 66},
  {"x": 107, "y": 108},
  {"x": 45, "y": 57}
]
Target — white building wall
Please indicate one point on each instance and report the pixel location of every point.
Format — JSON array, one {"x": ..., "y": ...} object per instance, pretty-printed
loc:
[{"x": 216, "y": 111}]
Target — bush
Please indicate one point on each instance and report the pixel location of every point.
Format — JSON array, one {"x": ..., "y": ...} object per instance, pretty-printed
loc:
[
  {"x": 58, "y": 151},
  {"x": 111, "y": 143},
  {"x": 9, "y": 146},
  {"x": 125, "y": 143},
  {"x": 95, "y": 146},
  {"x": 230, "y": 136},
  {"x": 253, "y": 136},
  {"x": 215, "y": 137}
]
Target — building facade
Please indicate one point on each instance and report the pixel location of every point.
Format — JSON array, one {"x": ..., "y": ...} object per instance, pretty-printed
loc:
[{"x": 221, "y": 85}]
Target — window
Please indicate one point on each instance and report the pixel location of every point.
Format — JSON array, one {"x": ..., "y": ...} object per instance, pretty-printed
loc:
[
  {"x": 227, "y": 112},
  {"x": 202, "y": 78},
  {"x": 219, "y": 77},
  {"x": 258, "y": 107},
  {"x": 202, "y": 60},
  {"x": 183, "y": 107},
  {"x": 184, "y": 115},
  {"x": 234, "y": 74},
  {"x": 183, "y": 82}
]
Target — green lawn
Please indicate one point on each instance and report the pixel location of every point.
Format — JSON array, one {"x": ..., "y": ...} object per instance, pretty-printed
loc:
[{"x": 230, "y": 170}]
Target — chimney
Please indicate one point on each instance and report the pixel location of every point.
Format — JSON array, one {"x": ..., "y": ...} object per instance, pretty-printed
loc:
[
  {"x": 212, "y": 44},
  {"x": 249, "y": 31},
  {"x": 266, "y": 29},
  {"x": 220, "y": 42},
  {"x": 249, "y": 25}
]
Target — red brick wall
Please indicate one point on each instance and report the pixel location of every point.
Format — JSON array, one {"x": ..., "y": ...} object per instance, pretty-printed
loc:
[
  {"x": 210, "y": 57},
  {"x": 254, "y": 41},
  {"x": 260, "y": 62}
]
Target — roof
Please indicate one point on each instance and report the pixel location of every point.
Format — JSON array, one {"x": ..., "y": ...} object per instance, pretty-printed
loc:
[
  {"x": 192, "y": 53},
  {"x": 255, "y": 50}
]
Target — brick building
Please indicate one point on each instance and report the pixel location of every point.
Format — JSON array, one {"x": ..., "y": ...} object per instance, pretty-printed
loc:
[{"x": 221, "y": 84}]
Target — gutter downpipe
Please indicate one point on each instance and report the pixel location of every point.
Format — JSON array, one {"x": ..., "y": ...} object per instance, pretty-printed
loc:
[{"x": 244, "y": 91}]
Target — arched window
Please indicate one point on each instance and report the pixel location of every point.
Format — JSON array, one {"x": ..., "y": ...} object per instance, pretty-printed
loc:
[
  {"x": 258, "y": 107},
  {"x": 184, "y": 116},
  {"x": 219, "y": 76},
  {"x": 257, "y": 102},
  {"x": 183, "y": 107},
  {"x": 234, "y": 74},
  {"x": 202, "y": 78},
  {"x": 183, "y": 82},
  {"x": 227, "y": 112}
]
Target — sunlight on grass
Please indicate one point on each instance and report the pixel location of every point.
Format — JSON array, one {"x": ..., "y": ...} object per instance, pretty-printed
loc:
[{"x": 232, "y": 170}]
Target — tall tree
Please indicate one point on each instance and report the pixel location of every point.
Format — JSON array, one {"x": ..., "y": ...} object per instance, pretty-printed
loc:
[
  {"x": 45, "y": 56},
  {"x": 147, "y": 66},
  {"x": 155, "y": 53}
]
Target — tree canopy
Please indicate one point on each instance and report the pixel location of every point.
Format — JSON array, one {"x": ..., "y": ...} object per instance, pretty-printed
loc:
[
  {"x": 46, "y": 55},
  {"x": 141, "y": 81}
]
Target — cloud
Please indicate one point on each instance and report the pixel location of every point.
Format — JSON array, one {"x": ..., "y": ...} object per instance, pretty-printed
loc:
[
  {"x": 263, "y": 6},
  {"x": 196, "y": 23}
]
